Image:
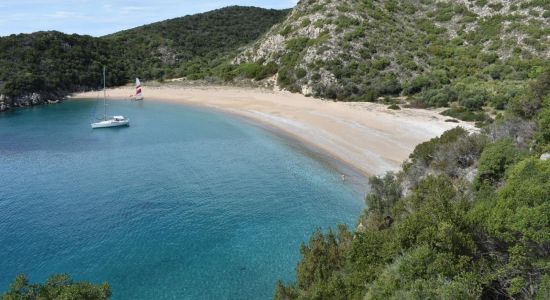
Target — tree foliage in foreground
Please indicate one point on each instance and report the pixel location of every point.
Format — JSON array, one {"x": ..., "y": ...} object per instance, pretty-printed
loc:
[
  {"x": 468, "y": 217},
  {"x": 56, "y": 287}
]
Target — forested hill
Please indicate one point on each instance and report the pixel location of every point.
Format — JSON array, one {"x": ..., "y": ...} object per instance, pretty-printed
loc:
[
  {"x": 45, "y": 66},
  {"x": 194, "y": 44}
]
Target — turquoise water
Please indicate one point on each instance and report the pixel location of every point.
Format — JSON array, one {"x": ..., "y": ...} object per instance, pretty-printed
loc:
[{"x": 184, "y": 204}]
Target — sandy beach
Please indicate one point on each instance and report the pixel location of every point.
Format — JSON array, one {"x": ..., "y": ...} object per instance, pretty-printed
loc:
[{"x": 366, "y": 136}]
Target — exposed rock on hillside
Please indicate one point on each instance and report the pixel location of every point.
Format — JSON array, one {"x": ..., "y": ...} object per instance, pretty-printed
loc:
[{"x": 360, "y": 50}]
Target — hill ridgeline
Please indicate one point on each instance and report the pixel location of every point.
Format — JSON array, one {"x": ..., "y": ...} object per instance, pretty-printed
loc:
[
  {"x": 472, "y": 56},
  {"x": 46, "y": 66}
]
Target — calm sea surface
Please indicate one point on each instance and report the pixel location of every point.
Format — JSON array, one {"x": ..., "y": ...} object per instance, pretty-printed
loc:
[{"x": 184, "y": 204}]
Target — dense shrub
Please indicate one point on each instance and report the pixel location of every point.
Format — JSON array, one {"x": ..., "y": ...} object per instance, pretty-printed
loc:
[
  {"x": 394, "y": 107},
  {"x": 250, "y": 70},
  {"x": 56, "y": 287},
  {"x": 417, "y": 85},
  {"x": 321, "y": 258},
  {"x": 518, "y": 218},
  {"x": 425, "y": 152},
  {"x": 387, "y": 85},
  {"x": 439, "y": 98},
  {"x": 494, "y": 161},
  {"x": 384, "y": 194},
  {"x": 256, "y": 71},
  {"x": 286, "y": 77},
  {"x": 544, "y": 125},
  {"x": 428, "y": 82},
  {"x": 297, "y": 44},
  {"x": 472, "y": 99},
  {"x": 464, "y": 114},
  {"x": 530, "y": 102}
]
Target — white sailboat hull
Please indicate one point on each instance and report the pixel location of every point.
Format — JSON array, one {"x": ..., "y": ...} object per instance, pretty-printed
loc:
[
  {"x": 114, "y": 121},
  {"x": 111, "y": 123}
]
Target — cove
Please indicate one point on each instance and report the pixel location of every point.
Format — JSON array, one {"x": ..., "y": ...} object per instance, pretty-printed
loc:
[{"x": 187, "y": 203}]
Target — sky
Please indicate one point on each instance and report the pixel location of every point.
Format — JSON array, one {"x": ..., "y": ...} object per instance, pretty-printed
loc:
[{"x": 101, "y": 17}]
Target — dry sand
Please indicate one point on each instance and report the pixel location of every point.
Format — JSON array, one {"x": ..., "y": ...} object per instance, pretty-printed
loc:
[{"x": 366, "y": 136}]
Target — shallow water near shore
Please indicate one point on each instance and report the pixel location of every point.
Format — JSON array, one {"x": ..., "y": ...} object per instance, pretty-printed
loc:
[{"x": 184, "y": 204}]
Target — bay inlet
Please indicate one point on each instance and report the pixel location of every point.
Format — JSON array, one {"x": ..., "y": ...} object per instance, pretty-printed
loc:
[{"x": 186, "y": 203}]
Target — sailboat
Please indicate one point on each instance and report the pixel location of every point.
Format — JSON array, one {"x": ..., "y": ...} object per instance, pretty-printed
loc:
[
  {"x": 115, "y": 121},
  {"x": 138, "y": 95}
]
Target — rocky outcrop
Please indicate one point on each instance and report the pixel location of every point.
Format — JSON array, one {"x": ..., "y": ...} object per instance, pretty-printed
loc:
[
  {"x": 545, "y": 156},
  {"x": 29, "y": 100},
  {"x": 35, "y": 98},
  {"x": 3, "y": 103}
]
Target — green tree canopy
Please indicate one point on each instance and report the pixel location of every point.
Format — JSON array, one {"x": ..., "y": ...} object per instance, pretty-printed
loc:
[{"x": 56, "y": 287}]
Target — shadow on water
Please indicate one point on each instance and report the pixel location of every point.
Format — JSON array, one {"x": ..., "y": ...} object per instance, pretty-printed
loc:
[{"x": 117, "y": 128}]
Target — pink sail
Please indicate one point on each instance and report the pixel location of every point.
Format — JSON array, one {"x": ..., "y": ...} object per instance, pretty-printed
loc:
[{"x": 138, "y": 95}]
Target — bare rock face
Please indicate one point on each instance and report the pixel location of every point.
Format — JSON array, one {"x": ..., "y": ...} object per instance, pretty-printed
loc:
[
  {"x": 307, "y": 90},
  {"x": 28, "y": 100},
  {"x": 23, "y": 101},
  {"x": 545, "y": 156},
  {"x": 471, "y": 174},
  {"x": 35, "y": 98},
  {"x": 166, "y": 55},
  {"x": 3, "y": 105},
  {"x": 360, "y": 227}
]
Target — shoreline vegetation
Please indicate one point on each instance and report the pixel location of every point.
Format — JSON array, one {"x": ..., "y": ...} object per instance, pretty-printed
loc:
[
  {"x": 368, "y": 137},
  {"x": 467, "y": 217},
  {"x": 56, "y": 287}
]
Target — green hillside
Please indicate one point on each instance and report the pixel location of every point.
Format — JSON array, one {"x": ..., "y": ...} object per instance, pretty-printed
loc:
[
  {"x": 193, "y": 45},
  {"x": 45, "y": 66},
  {"x": 473, "y": 53}
]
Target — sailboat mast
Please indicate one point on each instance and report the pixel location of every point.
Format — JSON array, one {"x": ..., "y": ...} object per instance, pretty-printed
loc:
[{"x": 104, "y": 96}]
